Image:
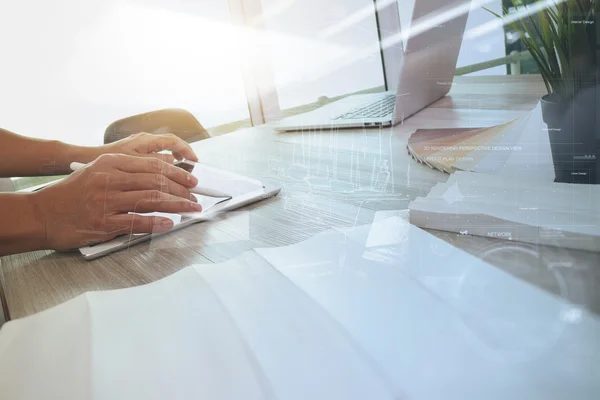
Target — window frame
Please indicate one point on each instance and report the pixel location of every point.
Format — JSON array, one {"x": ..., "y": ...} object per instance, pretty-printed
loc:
[
  {"x": 387, "y": 16},
  {"x": 257, "y": 71}
]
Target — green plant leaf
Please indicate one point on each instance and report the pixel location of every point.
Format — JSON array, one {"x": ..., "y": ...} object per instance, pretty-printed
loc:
[
  {"x": 561, "y": 50},
  {"x": 493, "y": 13},
  {"x": 564, "y": 51},
  {"x": 547, "y": 42}
]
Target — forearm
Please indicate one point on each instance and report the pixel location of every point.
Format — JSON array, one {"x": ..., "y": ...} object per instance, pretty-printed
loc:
[
  {"x": 22, "y": 227},
  {"x": 24, "y": 156}
]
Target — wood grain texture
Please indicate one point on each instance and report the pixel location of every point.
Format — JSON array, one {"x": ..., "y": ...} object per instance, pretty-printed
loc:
[
  {"x": 329, "y": 179},
  {"x": 35, "y": 281}
]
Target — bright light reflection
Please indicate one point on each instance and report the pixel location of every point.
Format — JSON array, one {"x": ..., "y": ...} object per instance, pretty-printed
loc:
[{"x": 155, "y": 58}]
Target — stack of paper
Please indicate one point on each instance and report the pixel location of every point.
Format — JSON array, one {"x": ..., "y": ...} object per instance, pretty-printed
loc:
[
  {"x": 384, "y": 311},
  {"x": 457, "y": 149},
  {"x": 517, "y": 148},
  {"x": 548, "y": 213}
]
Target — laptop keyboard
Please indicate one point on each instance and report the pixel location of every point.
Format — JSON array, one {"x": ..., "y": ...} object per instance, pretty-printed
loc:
[{"x": 378, "y": 109}]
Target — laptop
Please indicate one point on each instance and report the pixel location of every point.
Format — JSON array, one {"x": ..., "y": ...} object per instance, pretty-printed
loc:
[{"x": 426, "y": 72}]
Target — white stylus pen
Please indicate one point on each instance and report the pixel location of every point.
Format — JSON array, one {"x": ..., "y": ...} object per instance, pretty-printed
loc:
[{"x": 196, "y": 190}]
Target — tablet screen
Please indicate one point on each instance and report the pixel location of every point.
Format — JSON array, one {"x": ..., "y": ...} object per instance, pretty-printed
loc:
[{"x": 220, "y": 180}]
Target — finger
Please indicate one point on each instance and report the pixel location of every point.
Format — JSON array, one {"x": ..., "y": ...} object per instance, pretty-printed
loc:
[
  {"x": 143, "y": 181},
  {"x": 146, "y": 201},
  {"x": 170, "y": 142},
  {"x": 168, "y": 158},
  {"x": 153, "y": 165},
  {"x": 134, "y": 223}
]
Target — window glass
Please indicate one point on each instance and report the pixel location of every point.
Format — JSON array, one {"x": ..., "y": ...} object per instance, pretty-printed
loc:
[
  {"x": 484, "y": 38},
  {"x": 71, "y": 67},
  {"x": 322, "y": 48}
]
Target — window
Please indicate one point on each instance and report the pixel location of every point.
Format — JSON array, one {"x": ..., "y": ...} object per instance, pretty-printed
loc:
[
  {"x": 312, "y": 45},
  {"x": 483, "y": 39},
  {"x": 70, "y": 68}
]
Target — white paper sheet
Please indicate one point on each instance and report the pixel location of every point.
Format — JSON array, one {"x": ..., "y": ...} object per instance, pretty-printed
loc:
[
  {"x": 47, "y": 356},
  {"x": 487, "y": 180},
  {"x": 549, "y": 213},
  {"x": 169, "y": 340},
  {"x": 380, "y": 311},
  {"x": 532, "y": 160},
  {"x": 565, "y": 220},
  {"x": 445, "y": 324},
  {"x": 303, "y": 352}
]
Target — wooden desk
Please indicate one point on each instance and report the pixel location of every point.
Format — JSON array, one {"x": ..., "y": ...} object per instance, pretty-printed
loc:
[{"x": 348, "y": 162}]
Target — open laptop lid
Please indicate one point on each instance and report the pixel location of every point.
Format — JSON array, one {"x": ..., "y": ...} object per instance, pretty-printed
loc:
[
  {"x": 389, "y": 28},
  {"x": 433, "y": 43}
]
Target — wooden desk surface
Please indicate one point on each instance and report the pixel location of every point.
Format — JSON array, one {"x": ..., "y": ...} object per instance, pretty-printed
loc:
[{"x": 348, "y": 161}]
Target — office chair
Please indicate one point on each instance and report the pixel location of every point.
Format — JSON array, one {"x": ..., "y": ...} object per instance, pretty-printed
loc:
[
  {"x": 6, "y": 185},
  {"x": 174, "y": 120}
]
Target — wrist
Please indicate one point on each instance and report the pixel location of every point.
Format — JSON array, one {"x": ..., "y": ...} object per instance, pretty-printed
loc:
[
  {"x": 34, "y": 228},
  {"x": 24, "y": 225},
  {"x": 72, "y": 153},
  {"x": 81, "y": 154}
]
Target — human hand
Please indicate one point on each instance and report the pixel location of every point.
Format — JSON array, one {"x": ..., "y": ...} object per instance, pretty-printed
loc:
[
  {"x": 94, "y": 203},
  {"x": 148, "y": 145}
]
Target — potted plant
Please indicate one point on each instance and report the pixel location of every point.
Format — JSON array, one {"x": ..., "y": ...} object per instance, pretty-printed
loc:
[{"x": 561, "y": 37}]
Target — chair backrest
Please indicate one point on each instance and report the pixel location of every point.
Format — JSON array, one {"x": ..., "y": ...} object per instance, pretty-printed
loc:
[
  {"x": 6, "y": 185},
  {"x": 176, "y": 121}
]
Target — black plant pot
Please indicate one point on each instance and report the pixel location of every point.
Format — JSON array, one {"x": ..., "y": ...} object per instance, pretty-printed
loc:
[{"x": 574, "y": 137}]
